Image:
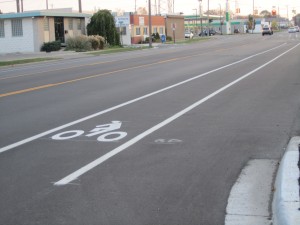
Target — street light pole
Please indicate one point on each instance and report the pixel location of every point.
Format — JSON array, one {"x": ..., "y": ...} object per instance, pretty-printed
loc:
[
  {"x": 220, "y": 19},
  {"x": 195, "y": 21}
]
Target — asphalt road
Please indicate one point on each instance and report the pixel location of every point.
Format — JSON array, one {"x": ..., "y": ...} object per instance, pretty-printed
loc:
[{"x": 179, "y": 124}]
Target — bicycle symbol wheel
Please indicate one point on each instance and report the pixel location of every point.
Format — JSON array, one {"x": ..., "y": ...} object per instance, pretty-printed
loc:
[{"x": 67, "y": 135}]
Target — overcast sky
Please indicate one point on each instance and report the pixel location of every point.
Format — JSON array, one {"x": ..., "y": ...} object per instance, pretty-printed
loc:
[{"x": 185, "y": 6}]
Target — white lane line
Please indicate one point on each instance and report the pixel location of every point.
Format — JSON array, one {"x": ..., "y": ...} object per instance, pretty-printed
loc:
[
  {"x": 22, "y": 142},
  {"x": 134, "y": 140}
]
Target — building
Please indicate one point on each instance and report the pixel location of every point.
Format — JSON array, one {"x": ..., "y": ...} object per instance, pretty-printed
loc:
[
  {"x": 140, "y": 27},
  {"x": 175, "y": 26},
  {"x": 27, "y": 31},
  {"x": 134, "y": 29},
  {"x": 124, "y": 27}
]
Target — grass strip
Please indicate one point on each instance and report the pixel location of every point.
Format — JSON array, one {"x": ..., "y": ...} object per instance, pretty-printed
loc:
[
  {"x": 189, "y": 41},
  {"x": 115, "y": 50},
  {"x": 24, "y": 61}
]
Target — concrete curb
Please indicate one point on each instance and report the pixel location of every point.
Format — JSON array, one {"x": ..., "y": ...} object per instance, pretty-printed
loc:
[{"x": 286, "y": 197}]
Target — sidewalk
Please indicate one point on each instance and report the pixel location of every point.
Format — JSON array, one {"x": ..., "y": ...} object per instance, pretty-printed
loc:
[
  {"x": 58, "y": 54},
  {"x": 32, "y": 55},
  {"x": 286, "y": 204}
]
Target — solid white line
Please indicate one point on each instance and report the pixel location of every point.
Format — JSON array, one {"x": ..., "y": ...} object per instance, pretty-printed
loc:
[
  {"x": 22, "y": 142},
  {"x": 134, "y": 140}
]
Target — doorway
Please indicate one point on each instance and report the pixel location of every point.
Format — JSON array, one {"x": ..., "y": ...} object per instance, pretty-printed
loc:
[{"x": 59, "y": 29}]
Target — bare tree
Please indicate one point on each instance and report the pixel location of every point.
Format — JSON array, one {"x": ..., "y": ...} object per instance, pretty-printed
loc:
[
  {"x": 265, "y": 14},
  {"x": 142, "y": 11}
]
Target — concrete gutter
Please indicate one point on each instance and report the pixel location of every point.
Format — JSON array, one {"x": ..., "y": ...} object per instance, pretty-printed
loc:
[{"x": 286, "y": 202}]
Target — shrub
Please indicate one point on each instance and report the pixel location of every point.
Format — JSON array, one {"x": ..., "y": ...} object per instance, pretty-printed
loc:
[
  {"x": 101, "y": 41},
  {"x": 51, "y": 46},
  {"x": 169, "y": 38},
  {"x": 79, "y": 44},
  {"x": 157, "y": 36},
  {"x": 95, "y": 42}
]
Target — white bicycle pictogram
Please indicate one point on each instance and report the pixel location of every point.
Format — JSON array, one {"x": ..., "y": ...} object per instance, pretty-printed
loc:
[{"x": 107, "y": 131}]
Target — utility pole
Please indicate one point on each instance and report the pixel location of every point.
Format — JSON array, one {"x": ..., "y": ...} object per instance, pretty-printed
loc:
[
  {"x": 18, "y": 6},
  {"x": 195, "y": 22},
  {"x": 200, "y": 15},
  {"x": 47, "y": 4},
  {"x": 79, "y": 6},
  {"x": 208, "y": 17},
  {"x": 150, "y": 24},
  {"x": 253, "y": 18}
]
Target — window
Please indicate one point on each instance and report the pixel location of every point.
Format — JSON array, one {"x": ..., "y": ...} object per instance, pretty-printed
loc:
[
  {"x": 161, "y": 30},
  {"x": 122, "y": 30},
  {"x": 2, "y": 34},
  {"x": 138, "y": 31},
  {"x": 70, "y": 24},
  {"x": 46, "y": 24},
  {"x": 145, "y": 30},
  {"x": 16, "y": 27},
  {"x": 155, "y": 30}
]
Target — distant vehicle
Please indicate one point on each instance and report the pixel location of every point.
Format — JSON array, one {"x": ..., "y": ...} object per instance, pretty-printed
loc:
[
  {"x": 236, "y": 31},
  {"x": 211, "y": 32},
  {"x": 292, "y": 30},
  {"x": 267, "y": 30},
  {"x": 188, "y": 34},
  {"x": 297, "y": 28}
]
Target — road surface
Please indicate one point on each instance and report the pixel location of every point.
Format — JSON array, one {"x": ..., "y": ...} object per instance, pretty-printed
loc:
[{"x": 148, "y": 137}]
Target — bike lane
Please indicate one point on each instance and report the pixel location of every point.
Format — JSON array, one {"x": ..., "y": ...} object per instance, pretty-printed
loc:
[{"x": 58, "y": 158}]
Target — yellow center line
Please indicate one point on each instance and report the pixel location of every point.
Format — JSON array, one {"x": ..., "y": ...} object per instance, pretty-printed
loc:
[
  {"x": 84, "y": 78},
  {"x": 92, "y": 76},
  {"x": 73, "y": 67}
]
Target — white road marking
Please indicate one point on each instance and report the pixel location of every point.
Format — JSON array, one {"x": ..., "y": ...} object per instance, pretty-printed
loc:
[
  {"x": 27, "y": 140},
  {"x": 73, "y": 176}
]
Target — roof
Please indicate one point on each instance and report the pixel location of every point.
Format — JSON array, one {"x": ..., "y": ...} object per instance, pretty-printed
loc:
[{"x": 49, "y": 13}]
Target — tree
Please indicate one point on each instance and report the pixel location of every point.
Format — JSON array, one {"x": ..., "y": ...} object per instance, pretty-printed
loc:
[
  {"x": 265, "y": 14},
  {"x": 141, "y": 11},
  {"x": 102, "y": 23},
  {"x": 274, "y": 25},
  {"x": 251, "y": 22}
]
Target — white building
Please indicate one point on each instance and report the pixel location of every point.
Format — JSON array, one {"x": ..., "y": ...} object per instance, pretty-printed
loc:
[
  {"x": 124, "y": 26},
  {"x": 27, "y": 31}
]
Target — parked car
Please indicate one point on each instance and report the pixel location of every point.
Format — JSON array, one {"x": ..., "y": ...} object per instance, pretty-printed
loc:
[
  {"x": 297, "y": 28},
  {"x": 267, "y": 30},
  {"x": 188, "y": 34},
  {"x": 211, "y": 32},
  {"x": 292, "y": 30}
]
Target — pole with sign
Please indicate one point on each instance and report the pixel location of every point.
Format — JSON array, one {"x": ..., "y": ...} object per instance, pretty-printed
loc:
[{"x": 173, "y": 28}]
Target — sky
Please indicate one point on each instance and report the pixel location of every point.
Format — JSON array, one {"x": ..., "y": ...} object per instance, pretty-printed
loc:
[{"x": 186, "y": 6}]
